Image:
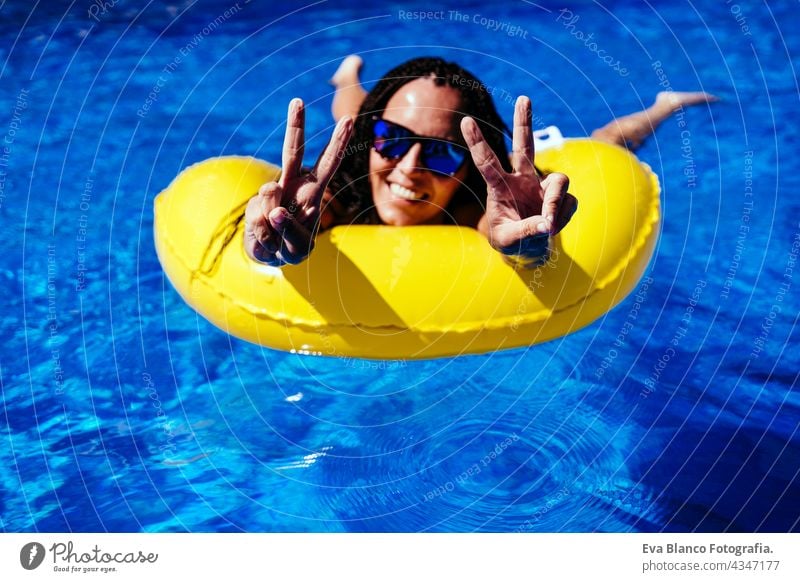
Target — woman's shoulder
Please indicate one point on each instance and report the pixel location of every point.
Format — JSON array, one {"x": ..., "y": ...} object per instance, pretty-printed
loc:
[
  {"x": 467, "y": 214},
  {"x": 334, "y": 212}
]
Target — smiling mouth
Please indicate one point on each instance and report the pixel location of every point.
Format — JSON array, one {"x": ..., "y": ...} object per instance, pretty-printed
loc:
[{"x": 406, "y": 193}]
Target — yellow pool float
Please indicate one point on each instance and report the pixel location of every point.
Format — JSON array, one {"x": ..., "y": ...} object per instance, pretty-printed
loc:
[{"x": 415, "y": 292}]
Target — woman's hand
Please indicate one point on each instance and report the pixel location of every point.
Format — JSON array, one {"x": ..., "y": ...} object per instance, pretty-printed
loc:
[
  {"x": 519, "y": 205},
  {"x": 281, "y": 220}
]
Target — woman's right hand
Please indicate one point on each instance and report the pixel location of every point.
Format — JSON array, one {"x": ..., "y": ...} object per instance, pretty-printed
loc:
[{"x": 281, "y": 220}]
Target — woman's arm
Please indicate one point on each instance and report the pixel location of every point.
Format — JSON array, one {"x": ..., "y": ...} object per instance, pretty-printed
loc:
[{"x": 333, "y": 212}]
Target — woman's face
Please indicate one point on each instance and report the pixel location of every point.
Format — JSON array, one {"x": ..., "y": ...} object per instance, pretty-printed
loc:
[{"x": 404, "y": 192}]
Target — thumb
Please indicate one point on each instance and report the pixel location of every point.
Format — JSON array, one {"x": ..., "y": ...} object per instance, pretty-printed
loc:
[{"x": 513, "y": 233}]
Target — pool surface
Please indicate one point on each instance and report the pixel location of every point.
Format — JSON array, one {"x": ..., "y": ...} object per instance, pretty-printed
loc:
[{"x": 123, "y": 410}]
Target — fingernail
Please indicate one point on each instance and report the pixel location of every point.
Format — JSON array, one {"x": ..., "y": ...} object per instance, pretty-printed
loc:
[
  {"x": 278, "y": 218},
  {"x": 542, "y": 227}
]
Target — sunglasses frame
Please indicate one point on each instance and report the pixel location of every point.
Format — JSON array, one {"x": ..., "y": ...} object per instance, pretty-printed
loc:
[{"x": 413, "y": 138}]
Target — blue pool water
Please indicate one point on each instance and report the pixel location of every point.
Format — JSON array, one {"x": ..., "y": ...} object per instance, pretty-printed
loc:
[{"x": 122, "y": 410}]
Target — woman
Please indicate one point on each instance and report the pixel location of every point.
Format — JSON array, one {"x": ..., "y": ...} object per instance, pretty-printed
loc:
[{"x": 428, "y": 149}]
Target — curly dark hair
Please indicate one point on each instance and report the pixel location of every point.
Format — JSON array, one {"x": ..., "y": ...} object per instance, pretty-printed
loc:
[{"x": 350, "y": 184}]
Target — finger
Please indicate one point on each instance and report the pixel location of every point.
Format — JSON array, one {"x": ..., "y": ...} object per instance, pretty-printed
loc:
[
  {"x": 329, "y": 160},
  {"x": 513, "y": 232},
  {"x": 270, "y": 196},
  {"x": 268, "y": 258},
  {"x": 296, "y": 241},
  {"x": 484, "y": 157},
  {"x": 252, "y": 213},
  {"x": 555, "y": 188},
  {"x": 293, "y": 142},
  {"x": 569, "y": 205},
  {"x": 255, "y": 219},
  {"x": 522, "y": 143},
  {"x": 256, "y": 250},
  {"x": 262, "y": 255}
]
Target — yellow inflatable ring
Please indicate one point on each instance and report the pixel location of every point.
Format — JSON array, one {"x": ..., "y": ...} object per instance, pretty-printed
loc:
[{"x": 409, "y": 292}]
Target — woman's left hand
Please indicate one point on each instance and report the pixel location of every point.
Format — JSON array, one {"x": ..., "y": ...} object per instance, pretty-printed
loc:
[{"x": 519, "y": 204}]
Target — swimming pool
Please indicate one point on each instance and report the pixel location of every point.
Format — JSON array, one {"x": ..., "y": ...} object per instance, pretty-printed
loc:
[{"x": 125, "y": 411}]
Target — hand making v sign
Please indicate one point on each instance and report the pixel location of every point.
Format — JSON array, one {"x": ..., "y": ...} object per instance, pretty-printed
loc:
[{"x": 281, "y": 220}]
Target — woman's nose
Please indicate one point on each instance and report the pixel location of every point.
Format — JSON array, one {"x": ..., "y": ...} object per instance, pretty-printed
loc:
[{"x": 411, "y": 161}]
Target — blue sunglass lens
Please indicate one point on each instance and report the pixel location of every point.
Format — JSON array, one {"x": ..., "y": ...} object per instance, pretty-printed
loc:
[
  {"x": 442, "y": 157},
  {"x": 390, "y": 140},
  {"x": 393, "y": 141}
]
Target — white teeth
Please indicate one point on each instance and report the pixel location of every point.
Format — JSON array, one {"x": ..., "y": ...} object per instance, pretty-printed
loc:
[{"x": 402, "y": 192}]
